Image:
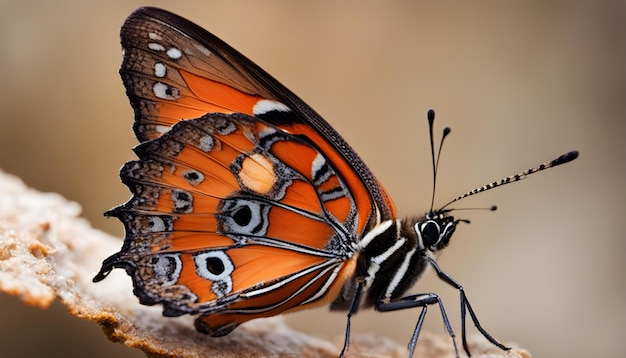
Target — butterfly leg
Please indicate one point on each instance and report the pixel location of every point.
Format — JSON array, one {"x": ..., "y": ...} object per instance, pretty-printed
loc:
[
  {"x": 418, "y": 300},
  {"x": 353, "y": 308},
  {"x": 465, "y": 307}
]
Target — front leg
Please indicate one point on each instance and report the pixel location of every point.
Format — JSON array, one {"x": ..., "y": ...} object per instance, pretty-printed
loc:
[
  {"x": 465, "y": 304},
  {"x": 418, "y": 300}
]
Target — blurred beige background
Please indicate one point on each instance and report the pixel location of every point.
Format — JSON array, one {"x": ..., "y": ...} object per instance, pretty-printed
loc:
[{"x": 519, "y": 83}]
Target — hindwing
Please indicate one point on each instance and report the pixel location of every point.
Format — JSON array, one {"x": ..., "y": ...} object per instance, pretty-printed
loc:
[{"x": 234, "y": 216}]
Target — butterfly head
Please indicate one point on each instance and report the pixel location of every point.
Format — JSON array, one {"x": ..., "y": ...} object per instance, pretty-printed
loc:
[{"x": 435, "y": 229}]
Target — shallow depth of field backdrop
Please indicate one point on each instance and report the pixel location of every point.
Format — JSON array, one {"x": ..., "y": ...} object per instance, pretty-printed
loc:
[{"x": 518, "y": 82}]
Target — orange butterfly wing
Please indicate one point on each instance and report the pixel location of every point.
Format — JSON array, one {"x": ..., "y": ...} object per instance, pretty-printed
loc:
[
  {"x": 227, "y": 222},
  {"x": 174, "y": 70},
  {"x": 246, "y": 203}
]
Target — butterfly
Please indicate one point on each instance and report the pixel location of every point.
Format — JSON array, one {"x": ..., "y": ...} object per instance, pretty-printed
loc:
[{"x": 246, "y": 203}]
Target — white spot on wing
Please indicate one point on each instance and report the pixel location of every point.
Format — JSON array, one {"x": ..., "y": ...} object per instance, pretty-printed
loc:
[
  {"x": 206, "y": 143},
  {"x": 162, "y": 129},
  {"x": 157, "y": 224},
  {"x": 265, "y": 105},
  {"x": 168, "y": 268},
  {"x": 161, "y": 90},
  {"x": 203, "y": 49},
  {"x": 319, "y": 171},
  {"x": 156, "y": 47},
  {"x": 182, "y": 201},
  {"x": 159, "y": 69},
  {"x": 193, "y": 177},
  {"x": 174, "y": 53},
  {"x": 318, "y": 162},
  {"x": 154, "y": 36},
  {"x": 267, "y": 131}
]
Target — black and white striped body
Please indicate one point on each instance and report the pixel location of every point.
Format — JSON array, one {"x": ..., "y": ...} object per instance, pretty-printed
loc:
[{"x": 393, "y": 256}]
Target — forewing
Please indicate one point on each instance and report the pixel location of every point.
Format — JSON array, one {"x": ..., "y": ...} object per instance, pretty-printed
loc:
[{"x": 175, "y": 70}]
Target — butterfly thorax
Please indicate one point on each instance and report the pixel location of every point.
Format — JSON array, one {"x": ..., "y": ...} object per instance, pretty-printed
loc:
[{"x": 394, "y": 254}]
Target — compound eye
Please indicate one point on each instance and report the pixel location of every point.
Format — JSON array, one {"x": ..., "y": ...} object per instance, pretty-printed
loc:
[
  {"x": 430, "y": 232},
  {"x": 448, "y": 230}
]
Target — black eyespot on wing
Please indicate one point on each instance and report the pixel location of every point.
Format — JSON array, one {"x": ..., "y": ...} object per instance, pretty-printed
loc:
[
  {"x": 215, "y": 265},
  {"x": 243, "y": 216}
]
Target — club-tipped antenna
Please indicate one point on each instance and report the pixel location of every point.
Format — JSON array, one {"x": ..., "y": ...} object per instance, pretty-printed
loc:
[
  {"x": 435, "y": 160},
  {"x": 565, "y": 158}
]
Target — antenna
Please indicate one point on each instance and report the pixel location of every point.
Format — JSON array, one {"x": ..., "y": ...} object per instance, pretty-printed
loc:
[
  {"x": 565, "y": 158},
  {"x": 446, "y": 131}
]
